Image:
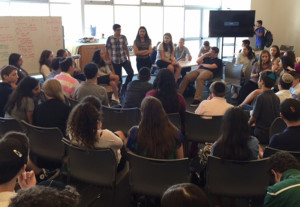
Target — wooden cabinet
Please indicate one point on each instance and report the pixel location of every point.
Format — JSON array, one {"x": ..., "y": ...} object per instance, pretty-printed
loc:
[{"x": 86, "y": 52}]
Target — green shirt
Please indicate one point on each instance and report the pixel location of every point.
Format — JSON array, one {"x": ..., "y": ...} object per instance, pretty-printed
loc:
[{"x": 286, "y": 193}]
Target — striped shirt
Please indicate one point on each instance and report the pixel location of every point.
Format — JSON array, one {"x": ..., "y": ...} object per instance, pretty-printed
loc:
[
  {"x": 117, "y": 46},
  {"x": 68, "y": 84}
]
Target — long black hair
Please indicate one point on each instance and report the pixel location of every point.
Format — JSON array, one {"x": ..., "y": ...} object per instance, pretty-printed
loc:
[
  {"x": 169, "y": 45},
  {"x": 97, "y": 59},
  {"x": 233, "y": 143},
  {"x": 24, "y": 89},
  {"x": 165, "y": 87},
  {"x": 138, "y": 38}
]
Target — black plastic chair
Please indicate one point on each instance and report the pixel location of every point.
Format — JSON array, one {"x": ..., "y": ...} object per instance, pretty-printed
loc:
[
  {"x": 9, "y": 124},
  {"x": 237, "y": 179},
  {"x": 152, "y": 177},
  {"x": 233, "y": 74},
  {"x": 97, "y": 167},
  {"x": 120, "y": 118},
  {"x": 45, "y": 143},
  {"x": 277, "y": 126},
  {"x": 270, "y": 151},
  {"x": 71, "y": 102},
  {"x": 175, "y": 119},
  {"x": 202, "y": 129}
]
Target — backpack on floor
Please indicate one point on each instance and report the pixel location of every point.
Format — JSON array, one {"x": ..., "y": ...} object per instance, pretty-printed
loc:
[{"x": 268, "y": 38}]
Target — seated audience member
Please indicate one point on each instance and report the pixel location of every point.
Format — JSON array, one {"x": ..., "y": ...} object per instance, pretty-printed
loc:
[
  {"x": 62, "y": 53},
  {"x": 154, "y": 53},
  {"x": 297, "y": 67},
  {"x": 9, "y": 77},
  {"x": 53, "y": 112},
  {"x": 275, "y": 58},
  {"x": 46, "y": 196},
  {"x": 292, "y": 55},
  {"x": 245, "y": 43},
  {"x": 166, "y": 56},
  {"x": 96, "y": 102},
  {"x": 236, "y": 143},
  {"x": 90, "y": 86},
  {"x": 216, "y": 105},
  {"x": 289, "y": 138},
  {"x": 266, "y": 107},
  {"x": 287, "y": 63},
  {"x": 137, "y": 89},
  {"x": 20, "y": 104},
  {"x": 156, "y": 136},
  {"x": 84, "y": 128},
  {"x": 209, "y": 66},
  {"x": 286, "y": 190},
  {"x": 245, "y": 58},
  {"x": 164, "y": 89},
  {"x": 264, "y": 63},
  {"x": 16, "y": 60},
  {"x": 65, "y": 78},
  {"x": 295, "y": 89},
  {"x": 204, "y": 49},
  {"x": 182, "y": 52},
  {"x": 106, "y": 76},
  {"x": 55, "y": 68},
  {"x": 45, "y": 63},
  {"x": 185, "y": 194},
  {"x": 14, "y": 150},
  {"x": 284, "y": 85}
]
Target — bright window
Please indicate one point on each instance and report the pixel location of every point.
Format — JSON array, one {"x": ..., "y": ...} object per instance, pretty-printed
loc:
[
  {"x": 192, "y": 23},
  {"x": 204, "y": 3},
  {"x": 173, "y": 22},
  {"x": 29, "y": 9},
  {"x": 155, "y": 30},
  {"x": 100, "y": 17},
  {"x": 151, "y": 1},
  {"x": 128, "y": 17},
  {"x": 133, "y": 2},
  {"x": 173, "y": 2}
]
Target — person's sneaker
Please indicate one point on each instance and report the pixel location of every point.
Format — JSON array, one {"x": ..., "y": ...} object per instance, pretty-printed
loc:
[
  {"x": 47, "y": 175},
  {"x": 195, "y": 103},
  {"x": 234, "y": 96}
]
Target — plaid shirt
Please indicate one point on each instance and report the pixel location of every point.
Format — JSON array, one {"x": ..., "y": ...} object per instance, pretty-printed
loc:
[{"x": 117, "y": 46}]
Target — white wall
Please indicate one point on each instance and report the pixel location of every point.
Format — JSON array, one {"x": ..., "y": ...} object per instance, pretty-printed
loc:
[{"x": 282, "y": 18}]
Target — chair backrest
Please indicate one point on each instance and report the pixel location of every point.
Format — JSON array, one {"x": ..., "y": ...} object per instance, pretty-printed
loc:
[
  {"x": 45, "y": 142},
  {"x": 175, "y": 119},
  {"x": 270, "y": 151},
  {"x": 277, "y": 126},
  {"x": 120, "y": 118},
  {"x": 9, "y": 124},
  {"x": 233, "y": 74},
  {"x": 237, "y": 178},
  {"x": 71, "y": 102},
  {"x": 153, "y": 176},
  {"x": 283, "y": 47},
  {"x": 98, "y": 167},
  {"x": 201, "y": 129}
]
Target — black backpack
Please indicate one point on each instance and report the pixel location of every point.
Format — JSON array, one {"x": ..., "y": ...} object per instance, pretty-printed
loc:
[{"x": 268, "y": 38}]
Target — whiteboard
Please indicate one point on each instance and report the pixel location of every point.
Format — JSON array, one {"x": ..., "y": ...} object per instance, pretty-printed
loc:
[{"x": 29, "y": 36}]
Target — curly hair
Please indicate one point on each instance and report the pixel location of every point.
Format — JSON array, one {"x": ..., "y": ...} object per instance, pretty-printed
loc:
[
  {"x": 46, "y": 196},
  {"x": 82, "y": 124}
]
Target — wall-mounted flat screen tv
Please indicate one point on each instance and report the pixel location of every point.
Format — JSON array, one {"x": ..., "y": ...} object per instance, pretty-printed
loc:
[{"x": 223, "y": 23}]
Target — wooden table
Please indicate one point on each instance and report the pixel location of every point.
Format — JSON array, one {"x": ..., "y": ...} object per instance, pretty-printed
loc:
[{"x": 187, "y": 64}]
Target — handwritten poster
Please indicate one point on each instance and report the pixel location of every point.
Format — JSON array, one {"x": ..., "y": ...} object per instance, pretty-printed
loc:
[{"x": 29, "y": 36}]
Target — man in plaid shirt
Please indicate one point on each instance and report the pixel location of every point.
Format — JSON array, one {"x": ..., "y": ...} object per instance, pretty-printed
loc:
[{"x": 116, "y": 46}]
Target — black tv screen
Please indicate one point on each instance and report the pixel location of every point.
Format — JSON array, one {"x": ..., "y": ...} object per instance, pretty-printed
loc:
[{"x": 231, "y": 23}]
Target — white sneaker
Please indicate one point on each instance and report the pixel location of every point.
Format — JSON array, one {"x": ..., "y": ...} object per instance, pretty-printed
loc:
[
  {"x": 234, "y": 96},
  {"x": 113, "y": 98}
]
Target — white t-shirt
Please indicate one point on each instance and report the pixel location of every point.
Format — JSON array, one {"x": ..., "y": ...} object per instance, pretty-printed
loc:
[
  {"x": 284, "y": 94},
  {"x": 168, "y": 54},
  {"x": 5, "y": 198},
  {"x": 217, "y": 106}
]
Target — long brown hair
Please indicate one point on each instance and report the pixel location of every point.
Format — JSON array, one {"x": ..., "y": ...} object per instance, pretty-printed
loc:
[
  {"x": 82, "y": 124},
  {"x": 157, "y": 136}
]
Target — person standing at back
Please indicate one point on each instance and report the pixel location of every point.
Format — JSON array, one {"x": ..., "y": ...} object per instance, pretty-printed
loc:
[
  {"x": 142, "y": 49},
  {"x": 116, "y": 46},
  {"x": 259, "y": 33}
]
